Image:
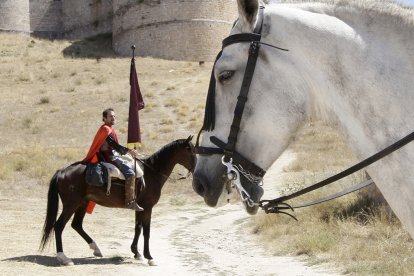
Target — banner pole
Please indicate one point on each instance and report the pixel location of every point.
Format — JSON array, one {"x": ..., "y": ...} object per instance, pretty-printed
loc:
[
  {"x": 133, "y": 51},
  {"x": 135, "y": 145}
]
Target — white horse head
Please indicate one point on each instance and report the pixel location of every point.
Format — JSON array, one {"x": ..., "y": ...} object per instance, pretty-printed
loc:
[
  {"x": 349, "y": 63},
  {"x": 274, "y": 110}
]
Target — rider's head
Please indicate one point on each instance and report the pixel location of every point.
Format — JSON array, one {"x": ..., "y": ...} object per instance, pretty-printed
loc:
[{"x": 108, "y": 116}]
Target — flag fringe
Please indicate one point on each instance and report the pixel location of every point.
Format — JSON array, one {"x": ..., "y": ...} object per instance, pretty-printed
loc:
[{"x": 136, "y": 145}]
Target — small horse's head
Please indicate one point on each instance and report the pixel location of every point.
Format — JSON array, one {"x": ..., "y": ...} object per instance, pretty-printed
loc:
[
  {"x": 275, "y": 107},
  {"x": 186, "y": 155}
]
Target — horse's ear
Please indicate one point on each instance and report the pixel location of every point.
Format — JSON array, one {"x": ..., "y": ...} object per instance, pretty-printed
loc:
[
  {"x": 247, "y": 14},
  {"x": 189, "y": 138}
]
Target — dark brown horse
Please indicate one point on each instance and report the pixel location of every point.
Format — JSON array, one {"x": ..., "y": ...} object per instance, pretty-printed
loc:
[{"x": 69, "y": 183}]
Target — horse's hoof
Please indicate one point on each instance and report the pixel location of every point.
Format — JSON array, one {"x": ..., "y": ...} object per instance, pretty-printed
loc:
[
  {"x": 63, "y": 260},
  {"x": 95, "y": 248},
  {"x": 138, "y": 257},
  {"x": 152, "y": 262},
  {"x": 97, "y": 254}
]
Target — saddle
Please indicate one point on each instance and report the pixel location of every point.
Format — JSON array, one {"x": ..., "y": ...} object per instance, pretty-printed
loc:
[
  {"x": 114, "y": 172},
  {"x": 99, "y": 174}
]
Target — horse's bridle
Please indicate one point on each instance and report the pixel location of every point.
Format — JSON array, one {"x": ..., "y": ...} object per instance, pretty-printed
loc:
[
  {"x": 237, "y": 165},
  {"x": 235, "y": 162}
]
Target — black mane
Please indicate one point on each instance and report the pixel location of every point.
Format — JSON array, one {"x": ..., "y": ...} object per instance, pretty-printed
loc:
[{"x": 156, "y": 159}]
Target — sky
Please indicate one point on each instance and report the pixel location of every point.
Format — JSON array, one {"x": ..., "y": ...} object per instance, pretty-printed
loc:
[{"x": 408, "y": 2}]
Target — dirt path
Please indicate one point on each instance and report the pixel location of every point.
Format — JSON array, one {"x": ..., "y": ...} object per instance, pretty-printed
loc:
[
  {"x": 215, "y": 242},
  {"x": 185, "y": 240}
]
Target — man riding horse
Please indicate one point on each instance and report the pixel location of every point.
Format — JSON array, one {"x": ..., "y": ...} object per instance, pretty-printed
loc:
[{"x": 102, "y": 149}]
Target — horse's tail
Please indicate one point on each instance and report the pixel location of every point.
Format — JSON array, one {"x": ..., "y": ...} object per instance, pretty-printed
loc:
[{"x": 52, "y": 209}]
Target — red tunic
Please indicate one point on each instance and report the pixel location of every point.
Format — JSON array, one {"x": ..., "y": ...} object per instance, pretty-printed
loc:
[
  {"x": 103, "y": 132},
  {"x": 98, "y": 141}
]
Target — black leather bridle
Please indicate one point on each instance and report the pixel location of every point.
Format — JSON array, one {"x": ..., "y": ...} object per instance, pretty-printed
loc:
[
  {"x": 230, "y": 156},
  {"x": 237, "y": 164}
]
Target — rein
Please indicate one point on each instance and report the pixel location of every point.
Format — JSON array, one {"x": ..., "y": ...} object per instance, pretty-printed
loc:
[
  {"x": 164, "y": 175},
  {"x": 275, "y": 205}
]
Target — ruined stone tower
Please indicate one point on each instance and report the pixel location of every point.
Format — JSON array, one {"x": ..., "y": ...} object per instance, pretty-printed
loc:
[{"x": 173, "y": 29}]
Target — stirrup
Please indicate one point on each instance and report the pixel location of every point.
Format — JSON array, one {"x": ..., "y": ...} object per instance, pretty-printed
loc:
[{"x": 134, "y": 206}]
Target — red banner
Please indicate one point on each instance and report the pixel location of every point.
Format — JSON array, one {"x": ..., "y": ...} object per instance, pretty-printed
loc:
[{"x": 136, "y": 103}]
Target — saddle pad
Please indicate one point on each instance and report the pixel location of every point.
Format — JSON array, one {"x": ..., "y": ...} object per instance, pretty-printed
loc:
[{"x": 116, "y": 173}]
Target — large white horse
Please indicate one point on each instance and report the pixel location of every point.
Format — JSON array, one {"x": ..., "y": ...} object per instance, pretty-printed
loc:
[{"x": 350, "y": 63}]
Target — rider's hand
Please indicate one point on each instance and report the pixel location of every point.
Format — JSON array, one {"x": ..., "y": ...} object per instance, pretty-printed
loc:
[{"x": 133, "y": 152}]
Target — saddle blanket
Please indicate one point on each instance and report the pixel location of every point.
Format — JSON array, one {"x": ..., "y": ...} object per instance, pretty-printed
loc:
[{"x": 116, "y": 173}]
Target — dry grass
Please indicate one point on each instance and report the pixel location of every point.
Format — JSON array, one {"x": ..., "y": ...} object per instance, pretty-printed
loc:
[
  {"x": 36, "y": 162},
  {"x": 52, "y": 96},
  {"x": 356, "y": 231},
  {"x": 372, "y": 248},
  {"x": 172, "y": 102},
  {"x": 166, "y": 122}
]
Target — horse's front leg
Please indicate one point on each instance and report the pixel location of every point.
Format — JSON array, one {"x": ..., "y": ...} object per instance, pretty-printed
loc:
[
  {"x": 146, "y": 225},
  {"x": 138, "y": 226}
]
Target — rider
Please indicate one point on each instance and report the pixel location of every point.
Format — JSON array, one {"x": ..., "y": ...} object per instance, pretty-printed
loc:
[{"x": 102, "y": 147}]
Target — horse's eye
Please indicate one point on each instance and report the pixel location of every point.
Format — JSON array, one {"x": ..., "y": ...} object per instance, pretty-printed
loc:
[{"x": 225, "y": 76}]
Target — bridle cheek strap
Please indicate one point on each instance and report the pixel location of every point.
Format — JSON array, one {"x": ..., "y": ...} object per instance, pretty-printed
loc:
[
  {"x": 242, "y": 99},
  {"x": 229, "y": 149}
]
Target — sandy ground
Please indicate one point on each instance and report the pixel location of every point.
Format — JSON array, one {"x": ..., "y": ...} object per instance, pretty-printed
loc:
[
  {"x": 187, "y": 240},
  {"x": 191, "y": 239}
]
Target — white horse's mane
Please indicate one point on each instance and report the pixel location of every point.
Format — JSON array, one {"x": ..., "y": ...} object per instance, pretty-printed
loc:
[{"x": 400, "y": 13}]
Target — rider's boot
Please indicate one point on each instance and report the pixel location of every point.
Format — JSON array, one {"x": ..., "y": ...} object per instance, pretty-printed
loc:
[{"x": 130, "y": 202}]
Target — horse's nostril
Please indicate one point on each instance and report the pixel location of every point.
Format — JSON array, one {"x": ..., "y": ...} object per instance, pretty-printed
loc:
[{"x": 198, "y": 186}]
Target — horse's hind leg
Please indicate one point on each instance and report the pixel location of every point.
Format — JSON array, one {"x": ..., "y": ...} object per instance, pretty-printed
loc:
[
  {"x": 77, "y": 224},
  {"x": 59, "y": 226}
]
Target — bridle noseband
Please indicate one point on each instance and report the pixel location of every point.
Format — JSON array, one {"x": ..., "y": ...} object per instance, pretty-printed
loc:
[{"x": 235, "y": 162}]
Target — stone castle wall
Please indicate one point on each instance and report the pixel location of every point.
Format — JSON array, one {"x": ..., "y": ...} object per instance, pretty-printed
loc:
[
  {"x": 46, "y": 18},
  {"x": 83, "y": 18},
  {"x": 14, "y": 15},
  {"x": 171, "y": 29},
  {"x": 57, "y": 18}
]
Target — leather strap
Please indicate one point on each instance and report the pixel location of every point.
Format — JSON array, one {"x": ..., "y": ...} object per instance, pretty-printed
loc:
[
  {"x": 255, "y": 38},
  {"x": 271, "y": 208},
  {"x": 209, "y": 117},
  {"x": 242, "y": 99},
  {"x": 239, "y": 159},
  {"x": 208, "y": 150},
  {"x": 239, "y": 38},
  {"x": 364, "y": 163},
  {"x": 339, "y": 194}
]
